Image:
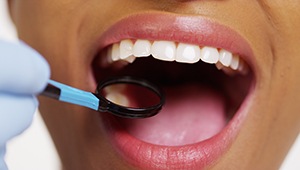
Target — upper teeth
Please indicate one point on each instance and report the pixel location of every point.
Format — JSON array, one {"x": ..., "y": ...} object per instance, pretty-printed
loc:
[{"x": 128, "y": 50}]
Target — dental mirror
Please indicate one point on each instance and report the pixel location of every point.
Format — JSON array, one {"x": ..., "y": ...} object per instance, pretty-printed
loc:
[{"x": 126, "y": 96}]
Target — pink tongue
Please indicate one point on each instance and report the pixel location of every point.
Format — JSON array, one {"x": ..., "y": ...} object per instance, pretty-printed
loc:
[{"x": 192, "y": 113}]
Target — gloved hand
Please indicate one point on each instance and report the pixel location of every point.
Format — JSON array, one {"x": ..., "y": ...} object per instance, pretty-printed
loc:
[{"x": 23, "y": 74}]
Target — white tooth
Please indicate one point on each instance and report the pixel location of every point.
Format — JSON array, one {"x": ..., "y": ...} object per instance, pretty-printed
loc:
[
  {"x": 142, "y": 48},
  {"x": 187, "y": 53},
  {"x": 118, "y": 98},
  {"x": 115, "y": 54},
  {"x": 114, "y": 88},
  {"x": 243, "y": 68},
  {"x": 234, "y": 65},
  {"x": 228, "y": 71},
  {"x": 163, "y": 50},
  {"x": 219, "y": 65},
  {"x": 130, "y": 59},
  {"x": 209, "y": 55},
  {"x": 225, "y": 57},
  {"x": 126, "y": 47}
]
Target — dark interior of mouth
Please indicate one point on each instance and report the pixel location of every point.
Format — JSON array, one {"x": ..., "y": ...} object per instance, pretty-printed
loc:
[{"x": 200, "y": 99}]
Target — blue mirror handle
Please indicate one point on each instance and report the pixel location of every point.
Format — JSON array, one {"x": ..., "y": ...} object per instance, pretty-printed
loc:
[{"x": 70, "y": 94}]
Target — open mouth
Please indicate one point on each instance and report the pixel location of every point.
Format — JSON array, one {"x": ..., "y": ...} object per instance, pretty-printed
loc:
[{"x": 205, "y": 87}]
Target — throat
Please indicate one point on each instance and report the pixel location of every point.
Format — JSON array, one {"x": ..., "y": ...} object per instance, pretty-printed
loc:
[{"x": 192, "y": 113}]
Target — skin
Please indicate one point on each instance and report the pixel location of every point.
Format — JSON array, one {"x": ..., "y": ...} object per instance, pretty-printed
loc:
[{"x": 64, "y": 31}]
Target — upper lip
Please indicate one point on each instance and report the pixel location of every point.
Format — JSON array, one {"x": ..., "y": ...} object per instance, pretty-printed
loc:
[{"x": 187, "y": 29}]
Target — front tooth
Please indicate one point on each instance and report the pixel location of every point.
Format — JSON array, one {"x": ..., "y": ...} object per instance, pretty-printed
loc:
[
  {"x": 142, "y": 48},
  {"x": 225, "y": 57},
  {"x": 235, "y": 62},
  {"x": 115, "y": 52},
  {"x": 209, "y": 55},
  {"x": 187, "y": 53},
  {"x": 126, "y": 47},
  {"x": 167, "y": 51},
  {"x": 163, "y": 50}
]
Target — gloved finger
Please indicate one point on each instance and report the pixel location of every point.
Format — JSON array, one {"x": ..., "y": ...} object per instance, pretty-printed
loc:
[
  {"x": 16, "y": 114},
  {"x": 22, "y": 69}
]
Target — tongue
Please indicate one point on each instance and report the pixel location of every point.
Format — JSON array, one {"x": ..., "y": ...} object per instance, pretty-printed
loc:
[{"x": 192, "y": 113}]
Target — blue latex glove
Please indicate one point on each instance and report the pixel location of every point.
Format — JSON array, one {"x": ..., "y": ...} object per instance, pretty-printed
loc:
[{"x": 23, "y": 74}]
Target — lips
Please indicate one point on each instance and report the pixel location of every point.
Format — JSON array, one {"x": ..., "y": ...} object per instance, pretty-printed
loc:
[{"x": 204, "y": 108}]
